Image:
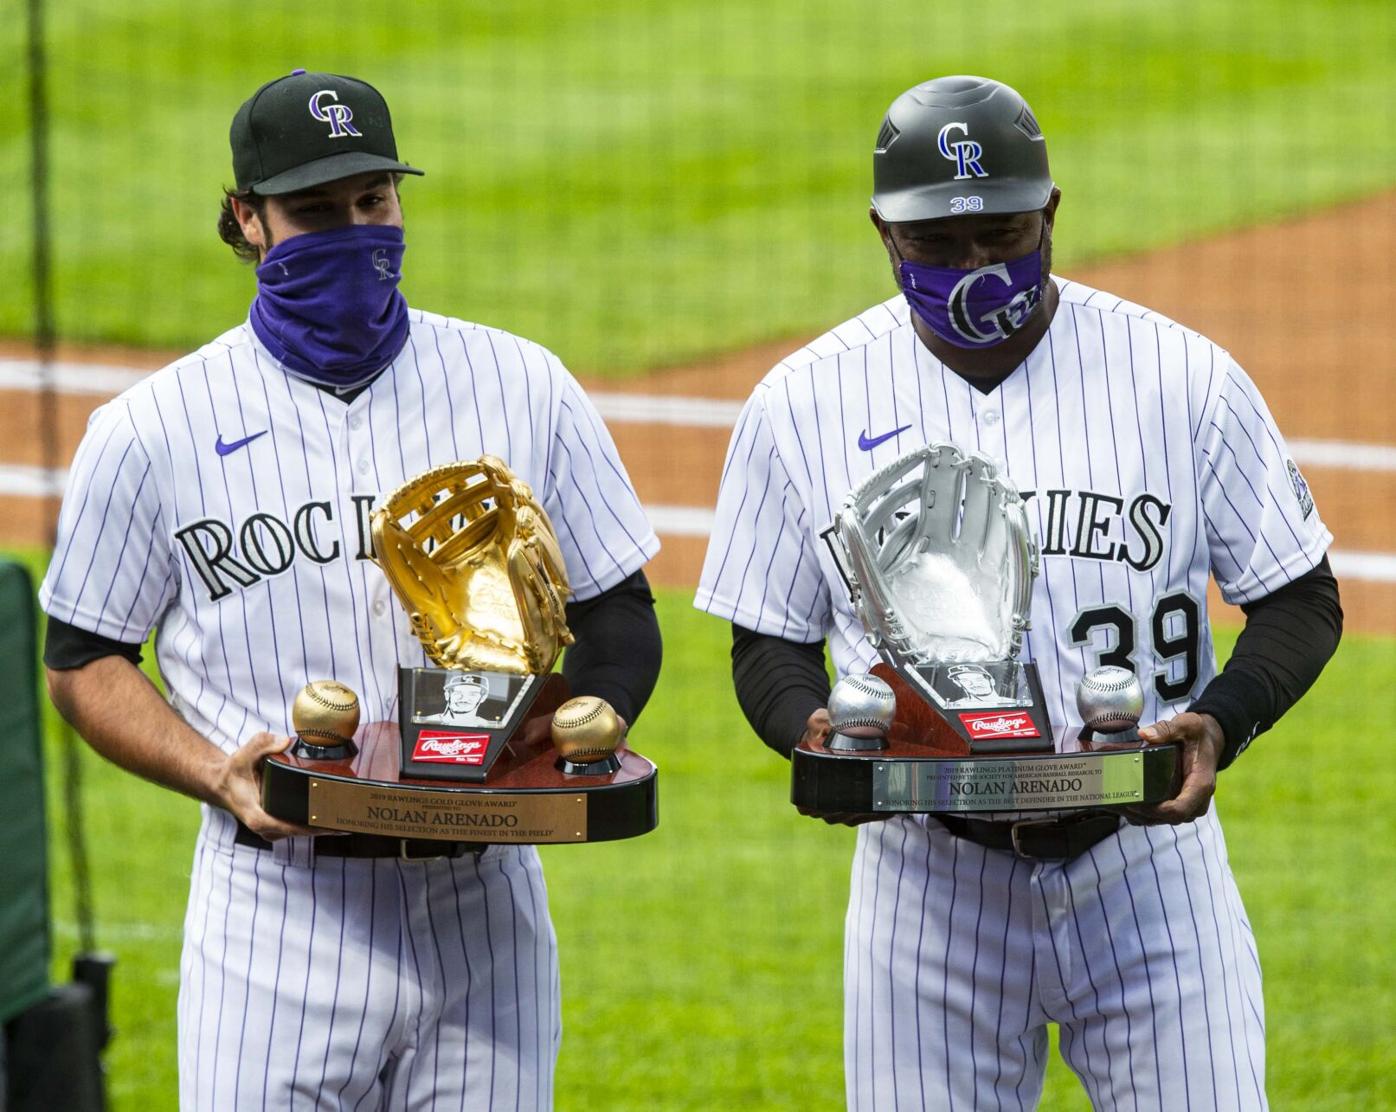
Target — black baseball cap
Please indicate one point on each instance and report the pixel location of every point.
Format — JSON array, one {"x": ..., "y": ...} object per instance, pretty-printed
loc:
[{"x": 310, "y": 128}]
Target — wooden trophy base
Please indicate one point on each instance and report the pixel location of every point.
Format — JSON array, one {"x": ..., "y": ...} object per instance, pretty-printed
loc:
[{"x": 527, "y": 799}]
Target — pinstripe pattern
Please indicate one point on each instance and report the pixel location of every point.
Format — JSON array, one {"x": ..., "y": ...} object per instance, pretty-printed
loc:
[
  {"x": 337, "y": 983},
  {"x": 410, "y": 987},
  {"x": 1150, "y": 463}
]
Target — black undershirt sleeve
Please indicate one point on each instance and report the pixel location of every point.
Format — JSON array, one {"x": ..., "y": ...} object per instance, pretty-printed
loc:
[
  {"x": 66, "y": 646},
  {"x": 779, "y": 684},
  {"x": 616, "y": 656},
  {"x": 1288, "y": 637},
  {"x": 618, "y": 649}
]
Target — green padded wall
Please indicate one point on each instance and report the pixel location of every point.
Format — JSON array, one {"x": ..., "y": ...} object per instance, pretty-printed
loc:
[{"x": 24, "y": 930}]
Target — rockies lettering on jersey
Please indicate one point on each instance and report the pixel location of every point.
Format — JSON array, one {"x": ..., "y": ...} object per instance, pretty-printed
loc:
[
  {"x": 1136, "y": 529},
  {"x": 225, "y": 558}
]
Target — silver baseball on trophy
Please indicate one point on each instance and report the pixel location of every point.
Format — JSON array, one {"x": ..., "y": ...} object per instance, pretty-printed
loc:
[
  {"x": 861, "y": 709},
  {"x": 1110, "y": 700}
]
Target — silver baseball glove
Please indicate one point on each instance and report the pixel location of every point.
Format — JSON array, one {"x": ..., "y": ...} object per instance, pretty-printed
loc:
[{"x": 938, "y": 557}]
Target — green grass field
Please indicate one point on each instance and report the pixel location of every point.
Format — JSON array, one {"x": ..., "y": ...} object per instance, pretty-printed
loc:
[
  {"x": 638, "y": 183},
  {"x": 701, "y": 963}
]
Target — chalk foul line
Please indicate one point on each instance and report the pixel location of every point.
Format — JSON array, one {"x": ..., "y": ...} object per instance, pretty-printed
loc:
[{"x": 102, "y": 381}]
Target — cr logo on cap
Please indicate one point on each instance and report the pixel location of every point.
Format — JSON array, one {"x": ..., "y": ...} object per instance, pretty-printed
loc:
[
  {"x": 965, "y": 153},
  {"x": 336, "y": 115}
]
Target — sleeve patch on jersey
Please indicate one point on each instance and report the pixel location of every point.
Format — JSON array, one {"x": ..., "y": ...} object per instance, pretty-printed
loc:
[{"x": 1301, "y": 490}]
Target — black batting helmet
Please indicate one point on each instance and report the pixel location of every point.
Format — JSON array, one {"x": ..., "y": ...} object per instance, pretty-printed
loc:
[{"x": 959, "y": 145}]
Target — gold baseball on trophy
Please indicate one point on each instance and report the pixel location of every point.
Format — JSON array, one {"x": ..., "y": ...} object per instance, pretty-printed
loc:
[
  {"x": 325, "y": 713},
  {"x": 585, "y": 730}
]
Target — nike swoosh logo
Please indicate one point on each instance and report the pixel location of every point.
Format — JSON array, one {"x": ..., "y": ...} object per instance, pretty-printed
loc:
[
  {"x": 868, "y": 443},
  {"x": 228, "y": 449}
]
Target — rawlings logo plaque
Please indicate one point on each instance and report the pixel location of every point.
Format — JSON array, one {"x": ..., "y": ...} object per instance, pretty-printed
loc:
[
  {"x": 995, "y": 723},
  {"x": 451, "y": 748}
]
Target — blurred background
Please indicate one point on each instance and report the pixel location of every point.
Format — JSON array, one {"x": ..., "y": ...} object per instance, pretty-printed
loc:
[{"x": 671, "y": 194}]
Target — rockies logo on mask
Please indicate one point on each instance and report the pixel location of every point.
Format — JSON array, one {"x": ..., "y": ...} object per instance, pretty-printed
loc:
[
  {"x": 975, "y": 308},
  {"x": 1000, "y": 321}
]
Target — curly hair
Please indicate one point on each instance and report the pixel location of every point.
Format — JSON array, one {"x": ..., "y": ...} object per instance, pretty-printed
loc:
[{"x": 230, "y": 231}]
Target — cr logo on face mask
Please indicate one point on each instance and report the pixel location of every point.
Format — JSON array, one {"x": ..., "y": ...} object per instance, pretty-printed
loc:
[
  {"x": 964, "y": 153},
  {"x": 999, "y": 323},
  {"x": 382, "y": 265},
  {"x": 336, "y": 115}
]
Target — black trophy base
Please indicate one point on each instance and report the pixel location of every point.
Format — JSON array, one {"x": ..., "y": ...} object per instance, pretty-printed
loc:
[
  {"x": 346, "y": 750},
  {"x": 851, "y": 743},
  {"x": 604, "y": 767},
  {"x": 1127, "y": 738}
]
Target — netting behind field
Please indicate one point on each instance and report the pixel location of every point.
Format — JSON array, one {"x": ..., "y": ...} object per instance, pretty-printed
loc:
[{"x": 643, "y": 184}]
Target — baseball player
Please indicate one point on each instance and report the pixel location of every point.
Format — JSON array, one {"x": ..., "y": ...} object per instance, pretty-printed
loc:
[
  {"x": 1148, "y": 461},
  {"x": 224, "y": 503},
  {"x": 464, "y": 692}
]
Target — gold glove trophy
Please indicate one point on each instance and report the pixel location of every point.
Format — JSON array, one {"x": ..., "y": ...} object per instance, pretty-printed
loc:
[
  {"x": 475, "y": 562},
  {"x": 939, "y": 563}
]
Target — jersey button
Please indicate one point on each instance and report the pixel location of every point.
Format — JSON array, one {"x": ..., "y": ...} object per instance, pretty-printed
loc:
[
  {"x": 356, "y": 422},
  {"x": 990, "y": 416},
  {"x": 380, "y": 608},
  {"x": 363, "y": 467}
]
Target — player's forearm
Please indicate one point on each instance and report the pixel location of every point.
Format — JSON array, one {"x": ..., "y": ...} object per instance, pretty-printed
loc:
[
  {"x": 779, "y": 684},
  {"x": 618, "y": 651},
  {"x": 122, "y": 716},
  {"x": 1288, "y": 638}
]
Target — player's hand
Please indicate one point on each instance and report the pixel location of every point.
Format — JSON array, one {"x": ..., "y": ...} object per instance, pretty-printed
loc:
[
  {"x": 817, "y": 728},
  {"x": 239, "y": 788},
  {"x": 1200, "y": 739}
]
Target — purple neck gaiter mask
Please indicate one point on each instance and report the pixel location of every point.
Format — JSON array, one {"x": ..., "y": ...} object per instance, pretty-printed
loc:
[
  {"x": 975, "y": 308},
  {"x": 328, "y": 306}
]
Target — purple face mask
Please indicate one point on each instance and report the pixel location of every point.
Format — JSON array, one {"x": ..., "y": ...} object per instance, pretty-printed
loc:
[
  {"x": 975, "y": 308},
  {"x": 328, "y": 306}
]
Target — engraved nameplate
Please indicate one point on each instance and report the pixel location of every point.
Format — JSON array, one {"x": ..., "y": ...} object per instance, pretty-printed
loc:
[
  {"x": 1010, "y": 784},
  {"x": 373, "y": 808}
]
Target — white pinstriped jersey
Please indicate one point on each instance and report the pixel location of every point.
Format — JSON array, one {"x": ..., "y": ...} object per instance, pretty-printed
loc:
[
  {"x": 228, "y": 502},
  {"x": 225, "y": 503},
  {"x": 1148, "y": 461},
  {"x": 1146, "y": 455}
]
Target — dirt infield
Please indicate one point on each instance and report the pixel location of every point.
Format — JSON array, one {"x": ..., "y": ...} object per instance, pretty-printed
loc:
[{"x": 1308, "y": 307}]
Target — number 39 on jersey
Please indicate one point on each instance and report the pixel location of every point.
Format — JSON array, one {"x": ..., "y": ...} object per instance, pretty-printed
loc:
[{"x": 1173, "y": 628}]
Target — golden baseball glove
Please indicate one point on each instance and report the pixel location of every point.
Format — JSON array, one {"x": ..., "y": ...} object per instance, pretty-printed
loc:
[{"x": 475, "y": 562}]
